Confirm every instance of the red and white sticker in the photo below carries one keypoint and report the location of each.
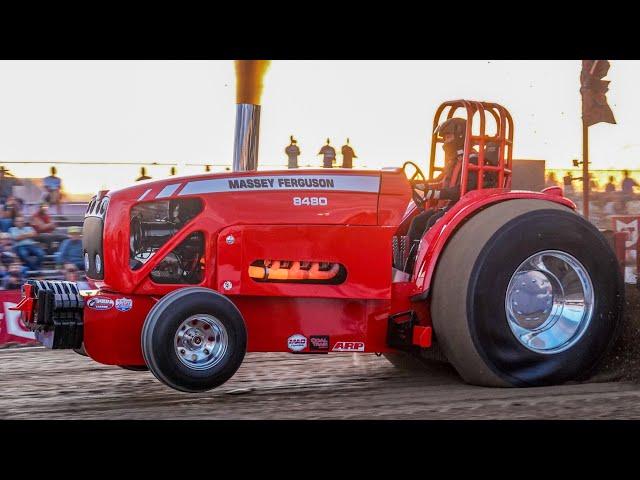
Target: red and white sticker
(348, 347)
(297, 342)
(100, 303)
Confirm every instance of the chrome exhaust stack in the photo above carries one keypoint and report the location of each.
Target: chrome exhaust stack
(247, 137)
(249, 75)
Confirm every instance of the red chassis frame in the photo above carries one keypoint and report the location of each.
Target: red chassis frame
(354, 227)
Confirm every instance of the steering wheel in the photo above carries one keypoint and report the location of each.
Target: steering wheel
(415, 178)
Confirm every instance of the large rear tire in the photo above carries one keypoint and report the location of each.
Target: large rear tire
(194, 339)
(558, 328)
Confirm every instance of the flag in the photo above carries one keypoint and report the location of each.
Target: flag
(593, 89)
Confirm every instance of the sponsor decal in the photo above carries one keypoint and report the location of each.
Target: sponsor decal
(352, 183)
(319, 342)
(297, 342)
(124, 304)
(283, 182)
(100, 303)
(348, 347)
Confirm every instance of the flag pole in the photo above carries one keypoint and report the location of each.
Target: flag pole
(586, 183)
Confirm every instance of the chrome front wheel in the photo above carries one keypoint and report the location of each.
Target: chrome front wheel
(201, 342)
(189, 350)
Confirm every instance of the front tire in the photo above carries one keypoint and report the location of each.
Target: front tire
(194, 339)
(81, 350)
(555, 330)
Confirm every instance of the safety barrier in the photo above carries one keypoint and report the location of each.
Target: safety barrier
(628, 224)
(12, 330)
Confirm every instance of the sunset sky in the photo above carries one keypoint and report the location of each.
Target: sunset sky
(184, 112)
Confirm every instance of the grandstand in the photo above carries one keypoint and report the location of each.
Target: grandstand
(72, 215)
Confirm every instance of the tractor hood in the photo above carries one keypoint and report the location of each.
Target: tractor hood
(146, 222)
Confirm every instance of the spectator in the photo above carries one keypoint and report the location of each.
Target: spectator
(53, 185)
(71, 273)
(593, 183)
(26, 248)
(293, 152)
(70, 251)
(611, 186)
(41, 221)
(348, 155)
(143, 175)
(7, 254)
(551, 180)
(328, 155)
(45, 227)
(7, 182)
(10, 210)
(6, 221)
(627, 188)
(14, 278)
(628, 183)
(568, 185)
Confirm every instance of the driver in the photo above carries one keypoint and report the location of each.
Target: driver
(447, 185)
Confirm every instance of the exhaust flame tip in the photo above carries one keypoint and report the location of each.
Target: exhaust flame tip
(249, 80)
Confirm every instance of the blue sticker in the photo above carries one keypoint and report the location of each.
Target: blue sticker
(124, 304)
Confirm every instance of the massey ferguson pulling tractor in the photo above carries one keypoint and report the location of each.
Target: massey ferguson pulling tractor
(513, 288)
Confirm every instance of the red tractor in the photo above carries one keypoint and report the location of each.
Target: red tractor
(513, 288)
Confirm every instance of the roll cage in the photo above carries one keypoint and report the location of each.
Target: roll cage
(486, 112)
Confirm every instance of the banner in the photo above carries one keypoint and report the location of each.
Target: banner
(629, 224)
(12, 330)
(593, 88)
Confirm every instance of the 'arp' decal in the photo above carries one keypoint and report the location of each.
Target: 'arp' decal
(348, 347)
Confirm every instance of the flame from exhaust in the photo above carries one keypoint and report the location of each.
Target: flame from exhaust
(249, 76)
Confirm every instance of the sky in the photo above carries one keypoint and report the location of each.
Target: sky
(184, 112)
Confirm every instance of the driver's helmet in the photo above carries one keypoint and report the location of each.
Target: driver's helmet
(453, 147)
(457, 126)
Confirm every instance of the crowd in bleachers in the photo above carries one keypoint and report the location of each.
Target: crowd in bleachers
(607, 200)
(35, 246)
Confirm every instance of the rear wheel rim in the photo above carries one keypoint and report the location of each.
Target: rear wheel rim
(549, 302)
(201, 342)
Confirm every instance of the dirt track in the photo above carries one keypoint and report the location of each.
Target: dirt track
(38, 383)
(42, 384)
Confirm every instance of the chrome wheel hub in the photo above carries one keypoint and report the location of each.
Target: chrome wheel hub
(201, 341)
(549, 301)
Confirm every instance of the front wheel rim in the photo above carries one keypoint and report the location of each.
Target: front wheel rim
(201, 342)
(549, 302)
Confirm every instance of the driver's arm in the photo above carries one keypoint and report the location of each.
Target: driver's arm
(442, 193)
(424, 186)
